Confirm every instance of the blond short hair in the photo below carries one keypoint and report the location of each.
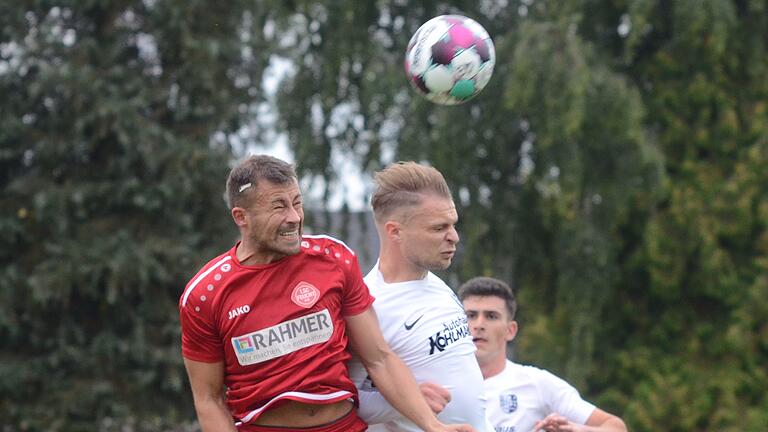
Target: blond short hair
(404, 184)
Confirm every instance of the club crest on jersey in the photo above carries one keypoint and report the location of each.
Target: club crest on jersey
(508, 402)
(305, 294)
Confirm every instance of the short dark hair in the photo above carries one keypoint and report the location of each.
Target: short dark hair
(402, 184)
(246, 175)
(487, 286)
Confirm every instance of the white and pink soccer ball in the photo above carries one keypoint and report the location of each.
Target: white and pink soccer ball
(450, 59)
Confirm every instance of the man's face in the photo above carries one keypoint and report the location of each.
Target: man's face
(275, 220)
(490, 326)
(428, 237)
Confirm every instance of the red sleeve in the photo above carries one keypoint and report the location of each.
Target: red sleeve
(199, 339)
(357, 298)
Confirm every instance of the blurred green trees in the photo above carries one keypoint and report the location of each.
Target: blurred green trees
(114, 152)
(613, 170)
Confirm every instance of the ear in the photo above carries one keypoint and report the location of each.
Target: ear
(392, 230)
(239, 216)
(511, 330)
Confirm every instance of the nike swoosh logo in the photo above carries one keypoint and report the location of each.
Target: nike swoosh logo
(408, 327)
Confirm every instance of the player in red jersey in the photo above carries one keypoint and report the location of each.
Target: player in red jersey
(271, 318)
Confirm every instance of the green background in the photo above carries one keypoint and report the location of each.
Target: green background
(613, 170)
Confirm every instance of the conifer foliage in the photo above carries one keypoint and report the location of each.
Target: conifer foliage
(113, 156)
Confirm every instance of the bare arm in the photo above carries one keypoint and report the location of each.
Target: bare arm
(598, 421)
(604, 421)
(207, 381)
(392, 377)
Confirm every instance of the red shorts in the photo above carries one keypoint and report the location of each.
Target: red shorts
(349, 423)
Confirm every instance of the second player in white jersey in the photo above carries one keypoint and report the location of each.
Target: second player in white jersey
(425, 325)
(521, 395)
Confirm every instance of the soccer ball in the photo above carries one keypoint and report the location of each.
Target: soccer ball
(450, 59)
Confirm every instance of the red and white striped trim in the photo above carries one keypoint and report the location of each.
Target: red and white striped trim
(322, 236)
(201, 277)
(297, 396)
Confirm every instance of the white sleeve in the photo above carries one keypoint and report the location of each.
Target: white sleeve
(375, 409)
(564, 399)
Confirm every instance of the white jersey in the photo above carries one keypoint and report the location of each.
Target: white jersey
(520, 396)
(425, 325)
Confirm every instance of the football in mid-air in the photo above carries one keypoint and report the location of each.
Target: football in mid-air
(450, 59)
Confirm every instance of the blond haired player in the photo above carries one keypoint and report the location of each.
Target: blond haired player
(420, 316)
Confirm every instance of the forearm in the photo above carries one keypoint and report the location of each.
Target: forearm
(213, 416)
(601, 421)
(395, 382)
(610, 425)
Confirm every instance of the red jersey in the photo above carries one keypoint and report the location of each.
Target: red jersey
(279, 328)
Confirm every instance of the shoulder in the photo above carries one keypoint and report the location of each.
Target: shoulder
(327, 246)
(373, 280)
(436, 284)
(209, 274)
(543, 379)
(435, 281)
(533, 372)
(441, 290)
(524, 376)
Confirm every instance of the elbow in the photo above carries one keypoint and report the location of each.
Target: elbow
(206, 401)
(617, 424)
(379, 362)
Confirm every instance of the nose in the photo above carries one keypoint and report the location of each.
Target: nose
(475, 324)
(452, 235)
(479, 323)
(474, 329)
(294, 215)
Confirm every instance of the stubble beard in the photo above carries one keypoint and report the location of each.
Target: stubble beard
(433, 264)
(277, 245)
(293, 249)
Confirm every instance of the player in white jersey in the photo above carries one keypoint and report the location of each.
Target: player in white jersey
(521, 395)
(421, 318)
(522, 398)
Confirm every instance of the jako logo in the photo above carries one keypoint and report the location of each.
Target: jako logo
(239, 311)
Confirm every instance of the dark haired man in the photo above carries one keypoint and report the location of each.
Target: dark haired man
(522, 398)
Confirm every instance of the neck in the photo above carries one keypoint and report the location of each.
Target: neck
(248, 253)
(394, 268)
(494, 367)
